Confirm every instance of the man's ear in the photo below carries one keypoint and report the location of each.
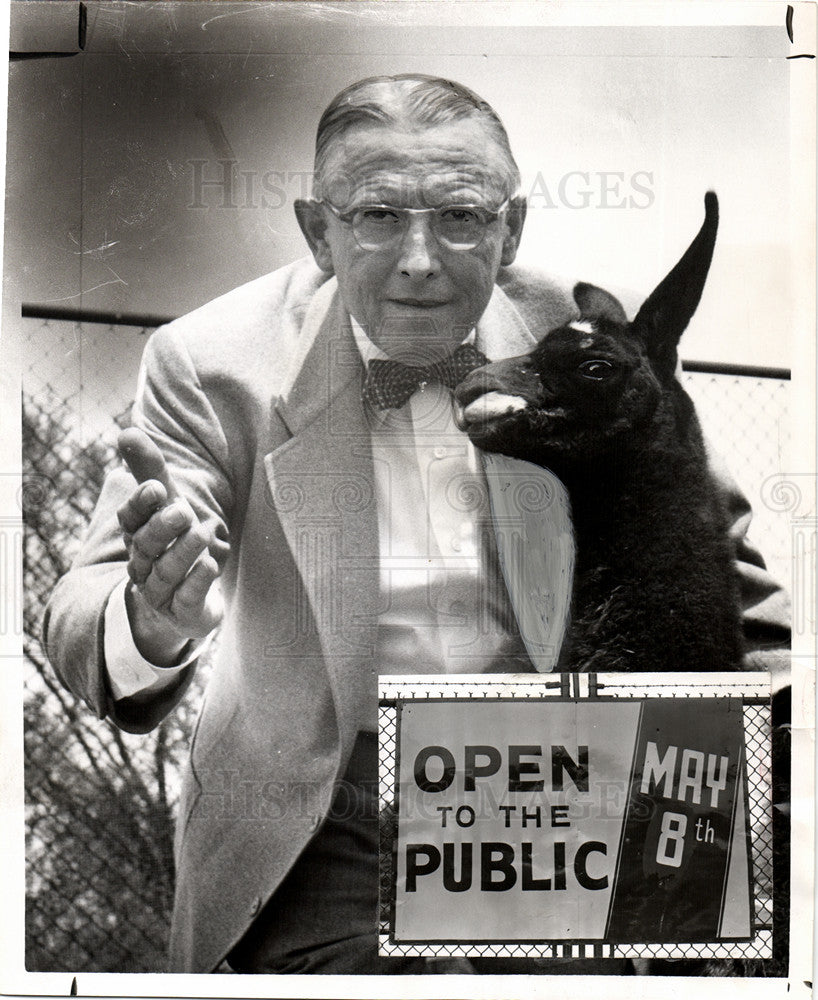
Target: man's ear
(515, 217)
(313, 224)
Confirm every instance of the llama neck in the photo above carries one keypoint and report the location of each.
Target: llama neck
(640, 459)
(630, 479)
(636, 492)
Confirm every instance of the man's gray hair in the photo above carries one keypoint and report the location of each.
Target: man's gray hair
(406, 100)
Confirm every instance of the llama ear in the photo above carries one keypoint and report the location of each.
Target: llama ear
(666, 312)
(595, 303)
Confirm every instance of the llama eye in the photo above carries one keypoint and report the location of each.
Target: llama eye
(596, 370)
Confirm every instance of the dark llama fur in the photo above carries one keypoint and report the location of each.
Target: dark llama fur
(655, 587)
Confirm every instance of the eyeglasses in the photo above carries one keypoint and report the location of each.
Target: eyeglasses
(381, 227)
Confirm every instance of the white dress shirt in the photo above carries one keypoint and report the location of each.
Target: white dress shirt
(444, 606)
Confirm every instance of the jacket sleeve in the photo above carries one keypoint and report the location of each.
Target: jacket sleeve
(173, 408)
(765, 605)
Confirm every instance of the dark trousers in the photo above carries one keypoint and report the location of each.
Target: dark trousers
(324, 915)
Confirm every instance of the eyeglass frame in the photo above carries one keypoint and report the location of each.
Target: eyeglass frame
(346, 218)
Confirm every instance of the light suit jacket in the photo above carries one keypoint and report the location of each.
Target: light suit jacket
(255, 401)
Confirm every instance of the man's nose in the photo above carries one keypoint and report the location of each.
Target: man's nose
(419, 250)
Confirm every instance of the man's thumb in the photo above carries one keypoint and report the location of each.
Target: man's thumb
(144, 459)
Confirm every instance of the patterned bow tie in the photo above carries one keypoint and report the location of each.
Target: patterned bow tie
(389, 384)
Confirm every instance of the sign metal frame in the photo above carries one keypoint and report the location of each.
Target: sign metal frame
(754, 692)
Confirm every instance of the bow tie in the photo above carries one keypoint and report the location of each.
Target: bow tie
(389, 384)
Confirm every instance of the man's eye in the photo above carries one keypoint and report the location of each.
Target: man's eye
(459, 216)
(378, 216)
(596, 369)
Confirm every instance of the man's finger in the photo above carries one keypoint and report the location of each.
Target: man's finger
(169, 571)
(192, 595)
(147, 544)
(197, 605)
(144, 459)
(140, 507)
(163, 528)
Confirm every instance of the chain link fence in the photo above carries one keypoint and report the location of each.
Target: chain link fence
(100, 803)
(746, 420)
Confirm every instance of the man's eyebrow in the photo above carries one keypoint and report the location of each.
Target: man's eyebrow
(448, 202)
(443, 203)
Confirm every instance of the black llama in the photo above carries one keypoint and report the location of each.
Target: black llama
(598, 402)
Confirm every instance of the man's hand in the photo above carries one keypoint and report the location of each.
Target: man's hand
(174, 596)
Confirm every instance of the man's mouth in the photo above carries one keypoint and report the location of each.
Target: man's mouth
(421, 303)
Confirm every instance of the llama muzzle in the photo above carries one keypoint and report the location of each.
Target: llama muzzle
(496, 390)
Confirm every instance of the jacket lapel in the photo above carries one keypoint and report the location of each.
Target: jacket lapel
(322, 484)
(530, 512)
(531, 517)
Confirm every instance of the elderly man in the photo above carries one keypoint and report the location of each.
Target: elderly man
(299, 489)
